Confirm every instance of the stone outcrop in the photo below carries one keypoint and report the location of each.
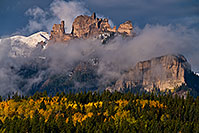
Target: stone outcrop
(58, 33)
(165, 72)
(126, 28)
(88, 26)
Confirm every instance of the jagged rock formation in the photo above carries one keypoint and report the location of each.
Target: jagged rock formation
(165, 72)
(58, 33)
(86, 26)
(89, 26)
(126, 28)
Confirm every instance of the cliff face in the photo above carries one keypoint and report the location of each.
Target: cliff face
(165, 72)
(126, 28)
(88, 26)
(58, 33)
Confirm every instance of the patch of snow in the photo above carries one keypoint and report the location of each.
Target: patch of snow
(197, 73)
(22, 45)
(31, 40)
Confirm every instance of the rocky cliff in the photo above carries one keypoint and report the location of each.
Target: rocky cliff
(89, 26)
(58, 33)
(165, 72)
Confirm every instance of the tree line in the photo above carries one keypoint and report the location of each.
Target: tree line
(99, 112)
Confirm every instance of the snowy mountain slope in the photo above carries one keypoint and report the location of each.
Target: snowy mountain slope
(31, 40)
(22, 45)
(197, 73)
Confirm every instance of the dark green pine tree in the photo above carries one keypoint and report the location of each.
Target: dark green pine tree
(0, 99)
(83, 111)
(42, 105)
(16, 97)
(61, 124)
(25, 126)
(70, 125)
(51, 124)
(42, 125)
(1, 124)
(13, 125)
(35, 122)
(6, 124)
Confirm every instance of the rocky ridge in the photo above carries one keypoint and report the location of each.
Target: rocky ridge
(85, 27)
(165, 72)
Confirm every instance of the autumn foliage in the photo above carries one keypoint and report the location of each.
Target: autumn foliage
(91, 112)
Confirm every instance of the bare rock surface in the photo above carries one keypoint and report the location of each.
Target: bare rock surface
(58, 33)
(165, 72)
(126, 28)
(85, 27)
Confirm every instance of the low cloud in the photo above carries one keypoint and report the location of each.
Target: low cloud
(40, 19)
(114, 58)
(117, 56)
(67, 11)
(58, 10)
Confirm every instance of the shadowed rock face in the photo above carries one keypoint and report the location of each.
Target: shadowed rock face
(165, 72)
(88, 26)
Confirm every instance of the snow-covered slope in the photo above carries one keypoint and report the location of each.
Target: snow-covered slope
(22, 45)
(197, 73)
(31, 40)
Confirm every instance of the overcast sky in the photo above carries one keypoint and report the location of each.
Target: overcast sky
(14, 16)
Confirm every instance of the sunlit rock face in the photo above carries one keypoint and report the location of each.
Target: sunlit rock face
(165, 72)
(126, 28)
(85, 27)
(58, 33)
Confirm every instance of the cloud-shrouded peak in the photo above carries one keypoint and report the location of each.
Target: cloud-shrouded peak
(67, 11)
(116, 57)
(31, 40)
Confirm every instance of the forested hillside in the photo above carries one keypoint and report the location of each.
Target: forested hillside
(94, 112)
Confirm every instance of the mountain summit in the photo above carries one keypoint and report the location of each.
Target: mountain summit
(87, 64)
(85, 27)
(165, 72)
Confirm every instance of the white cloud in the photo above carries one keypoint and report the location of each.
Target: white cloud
(120, 54)
(115, 57)
(67, 11)
(59, 10)
(34, 26)
(35, 12)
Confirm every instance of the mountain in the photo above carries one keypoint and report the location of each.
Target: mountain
(83, 60)
(197, 73)
(22, 45)
(31, 40)
(85, 27)
(169, 73)
(165, 72)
